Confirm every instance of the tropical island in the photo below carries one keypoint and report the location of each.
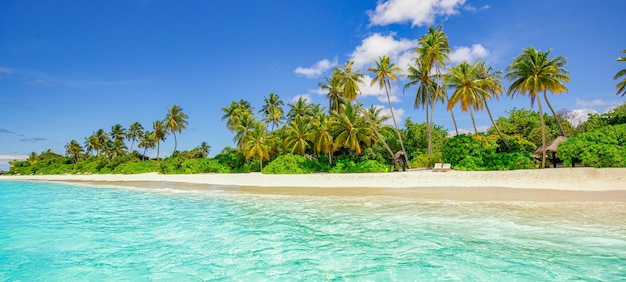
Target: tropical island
(350, 137)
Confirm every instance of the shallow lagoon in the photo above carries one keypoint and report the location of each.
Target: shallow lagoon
(54, 231)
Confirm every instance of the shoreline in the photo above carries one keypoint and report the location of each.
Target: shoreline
(554, 184)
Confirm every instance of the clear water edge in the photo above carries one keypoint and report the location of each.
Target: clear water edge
(51, 231)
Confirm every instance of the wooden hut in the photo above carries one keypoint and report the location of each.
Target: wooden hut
(551, 149)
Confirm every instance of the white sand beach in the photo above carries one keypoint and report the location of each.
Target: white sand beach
(572, 179)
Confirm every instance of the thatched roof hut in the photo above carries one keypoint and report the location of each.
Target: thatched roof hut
(552, 146)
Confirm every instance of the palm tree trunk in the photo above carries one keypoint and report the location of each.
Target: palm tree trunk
(543, 134)
(456, 128)
(443, 85)
(175, 142)
(330, 158)
(497, 129)
(545, 96)
(406, 158)
(473, 122)
(430, 147)
(158, 148)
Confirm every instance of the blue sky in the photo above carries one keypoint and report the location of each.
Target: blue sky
(69, 68)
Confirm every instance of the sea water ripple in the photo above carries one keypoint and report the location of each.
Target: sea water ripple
(61, 232)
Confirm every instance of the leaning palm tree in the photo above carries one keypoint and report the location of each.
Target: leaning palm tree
(375, 119)
(134, 133)
(433, 52)
(531, 74)
(175, 120)
(384, 74)
(74, 151)
(255, 143)
(490, 81)
(467, 91)
(159, 134)
(272, 110)
(621, 86)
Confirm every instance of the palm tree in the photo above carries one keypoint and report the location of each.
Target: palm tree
(322, 138)
(375, 119)
(428, 93)
(556, 74)
(350, 80)
(158, 134)
(134, 133)
(91, 144)
(531, 73)
(175, 120)
(490, 81)
(351, 129)
(117, 148)
(621, 86)
(272, 110)
(467, 91)
(118, 132)
(334, 88)
(74, 151)
(146, 141)
(299, 108)
(255, 143)
(433, 51)
(243, 123)
(298, 135)
(97, 141)
(384, 72)
(204, 149)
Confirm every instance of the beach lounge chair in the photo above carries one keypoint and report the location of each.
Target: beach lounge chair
(441, 167)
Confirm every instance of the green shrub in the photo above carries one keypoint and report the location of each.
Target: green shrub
(479, 152)
(137, 167)
(289, 164)
(342, 164)
(426, 160)
(203, 165)
(368, 166)
(602, 147)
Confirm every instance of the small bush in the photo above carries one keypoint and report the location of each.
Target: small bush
(368, 166)
(289, 164)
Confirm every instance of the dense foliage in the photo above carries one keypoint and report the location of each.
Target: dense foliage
(603, 147)
(480, 152)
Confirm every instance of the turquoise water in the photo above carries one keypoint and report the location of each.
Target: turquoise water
(59, 232)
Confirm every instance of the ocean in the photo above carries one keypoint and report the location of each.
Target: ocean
(69, 232)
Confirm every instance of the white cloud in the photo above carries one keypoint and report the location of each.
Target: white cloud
(397, 112)
(594, 103)
(5, 70)
(316, 69)
(307, 98)
(469, 54)
(579, 116)
(400, 51)
(417, 12)
(473, 9)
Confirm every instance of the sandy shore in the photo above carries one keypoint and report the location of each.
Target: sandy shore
(560, 184)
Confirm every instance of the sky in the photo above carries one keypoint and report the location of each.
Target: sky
(69, 68)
